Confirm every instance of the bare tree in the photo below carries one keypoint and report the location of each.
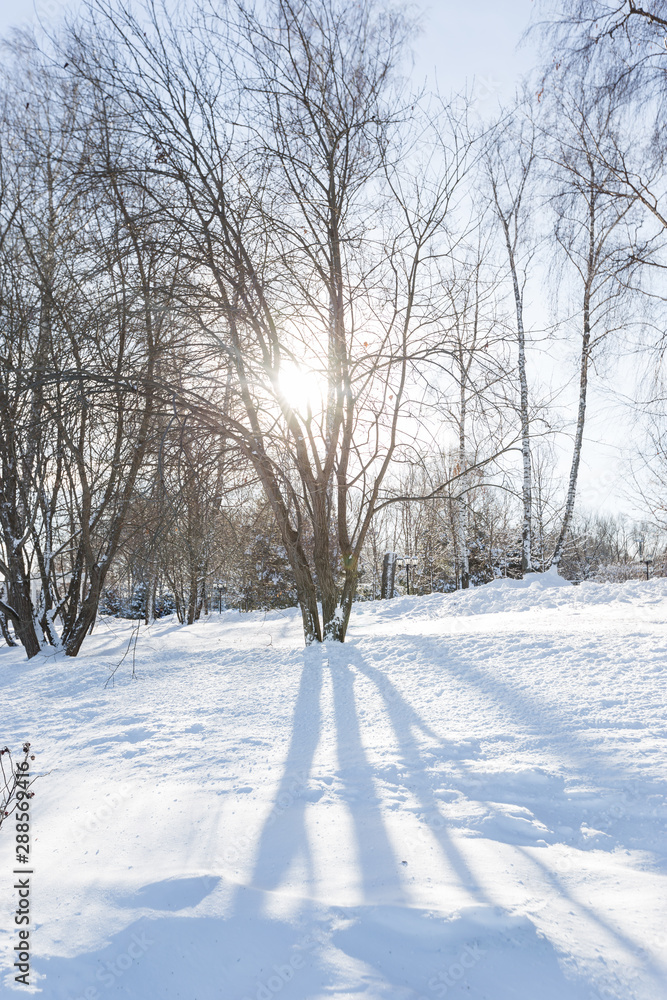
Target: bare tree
(313, 210)
(629, 34)
(616, 49)
(475, 360)
(599, 238)
(85, 317)
(510, 165)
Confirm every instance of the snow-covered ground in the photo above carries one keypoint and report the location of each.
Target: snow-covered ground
(468, 799)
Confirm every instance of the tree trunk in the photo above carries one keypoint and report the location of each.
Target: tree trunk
(462, 505)
(4, 629)
(388, 575)
(578, 437)
(526, 488)
(88, 610)
(20, 612)
(335, 629)
(193, 592)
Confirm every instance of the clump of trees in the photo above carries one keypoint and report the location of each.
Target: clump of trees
(266, 311)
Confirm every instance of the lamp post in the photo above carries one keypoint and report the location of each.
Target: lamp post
(407, 561)
(219, 587)
(641, 548)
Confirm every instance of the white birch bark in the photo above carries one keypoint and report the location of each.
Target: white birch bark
(462, 519)
(526, 486)
(509, 219)
(583, 379)
(579, 434)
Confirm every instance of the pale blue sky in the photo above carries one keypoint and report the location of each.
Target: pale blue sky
(462, 41)
(475, 39)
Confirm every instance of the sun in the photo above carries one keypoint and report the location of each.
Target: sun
(303, 388)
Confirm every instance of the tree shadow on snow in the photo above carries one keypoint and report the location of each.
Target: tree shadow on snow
(610, 815)
(378, 952)
(407, 725)
(381, 949)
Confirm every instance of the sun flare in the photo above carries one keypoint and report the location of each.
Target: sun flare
(303, 388)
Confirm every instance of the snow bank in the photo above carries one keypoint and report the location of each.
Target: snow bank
(537, 591)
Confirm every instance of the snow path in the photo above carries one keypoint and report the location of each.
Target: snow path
(468, 799)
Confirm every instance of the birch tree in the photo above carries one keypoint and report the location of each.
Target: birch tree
(477, 367)
(600, 239)
(510, 167)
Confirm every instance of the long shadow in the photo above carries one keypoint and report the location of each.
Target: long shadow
(495, 688)
(403, 718)
(565, 740)
(284, 838)
(377, 860)
(559, 886)
(284, 841)
(177, 952)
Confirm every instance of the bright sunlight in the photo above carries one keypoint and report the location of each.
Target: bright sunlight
(303, 388)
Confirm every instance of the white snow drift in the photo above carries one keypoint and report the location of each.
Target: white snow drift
(468, 799)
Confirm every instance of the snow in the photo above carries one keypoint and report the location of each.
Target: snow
(467, 799)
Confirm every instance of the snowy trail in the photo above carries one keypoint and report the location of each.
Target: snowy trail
(468, 799)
